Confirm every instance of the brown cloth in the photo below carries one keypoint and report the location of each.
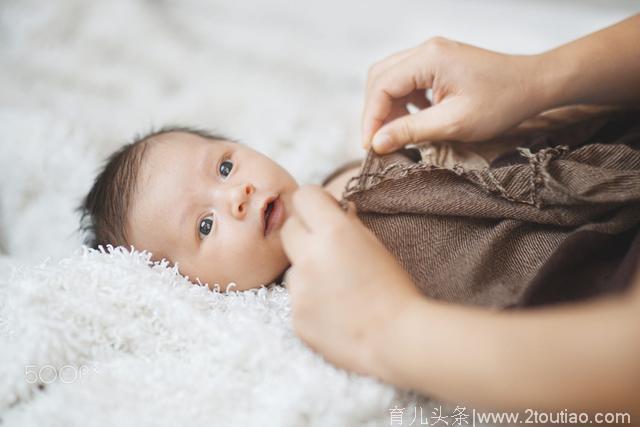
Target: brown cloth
(547, 213)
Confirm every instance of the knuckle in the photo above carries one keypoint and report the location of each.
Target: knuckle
(379, 78)
(375, 83)
(374, 70)
(436, 44)
(375, 67)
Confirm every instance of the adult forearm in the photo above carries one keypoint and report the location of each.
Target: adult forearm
(582, 357)
(440, 350)
(600, 68)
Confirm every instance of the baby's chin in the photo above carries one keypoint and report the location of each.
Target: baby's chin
(276, 280)
(278, 265)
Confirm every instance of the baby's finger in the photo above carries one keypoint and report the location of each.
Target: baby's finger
(315, 207)
(294, 236)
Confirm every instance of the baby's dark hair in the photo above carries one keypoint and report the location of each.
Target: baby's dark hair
(104, 210)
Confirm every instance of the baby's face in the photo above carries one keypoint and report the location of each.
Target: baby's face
(199, 203)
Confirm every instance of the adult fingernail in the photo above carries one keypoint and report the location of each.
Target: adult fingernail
(382, 142)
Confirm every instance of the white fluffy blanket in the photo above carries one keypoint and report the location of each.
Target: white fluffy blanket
(116, 340)
(120, 342)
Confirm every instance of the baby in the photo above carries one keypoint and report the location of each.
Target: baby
(485, 224)
(212, 205)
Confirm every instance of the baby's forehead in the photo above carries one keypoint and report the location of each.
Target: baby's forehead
(177, 146)
(171, 156)
(181, 139)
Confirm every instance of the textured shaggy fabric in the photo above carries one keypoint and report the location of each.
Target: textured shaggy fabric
(127, 342)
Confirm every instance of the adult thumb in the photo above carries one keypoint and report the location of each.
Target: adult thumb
(429, 124)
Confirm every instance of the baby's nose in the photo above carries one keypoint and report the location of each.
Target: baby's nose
(242, 196)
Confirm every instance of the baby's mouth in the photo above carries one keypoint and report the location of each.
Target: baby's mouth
(273, 215)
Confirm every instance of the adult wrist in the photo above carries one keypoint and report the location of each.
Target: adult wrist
(552, 76)
(395, 344)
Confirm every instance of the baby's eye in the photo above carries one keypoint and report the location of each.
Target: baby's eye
(205, 226)
(225, 168)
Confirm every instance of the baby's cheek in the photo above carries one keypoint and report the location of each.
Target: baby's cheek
(248, 261)
(273, 261)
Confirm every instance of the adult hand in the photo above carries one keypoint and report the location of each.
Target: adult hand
(346, 289)
(476, 94)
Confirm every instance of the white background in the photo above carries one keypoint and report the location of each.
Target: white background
(80, 78)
